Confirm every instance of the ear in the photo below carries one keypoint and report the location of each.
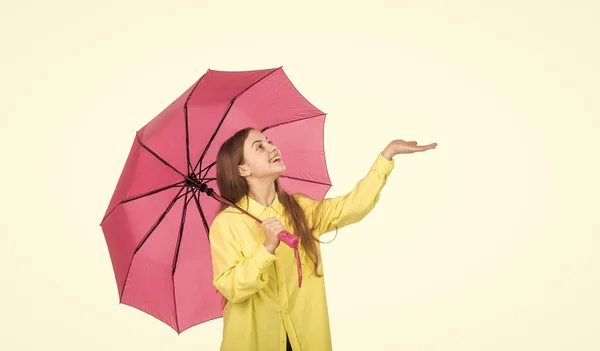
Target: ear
(243, 170)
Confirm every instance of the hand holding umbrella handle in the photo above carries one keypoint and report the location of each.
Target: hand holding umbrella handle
(284, 236)
(292, 241)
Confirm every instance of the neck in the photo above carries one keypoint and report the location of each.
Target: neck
(262, 192)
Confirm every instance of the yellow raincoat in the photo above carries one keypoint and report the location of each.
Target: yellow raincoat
(264, 300)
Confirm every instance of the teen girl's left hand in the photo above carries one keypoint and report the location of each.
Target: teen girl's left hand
(400, 146)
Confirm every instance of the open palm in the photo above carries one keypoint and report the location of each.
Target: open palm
(400, 146)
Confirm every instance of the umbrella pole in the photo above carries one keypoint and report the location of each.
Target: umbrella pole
(225, 201)
(210, 192)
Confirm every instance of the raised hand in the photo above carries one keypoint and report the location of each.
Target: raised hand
(400, 146)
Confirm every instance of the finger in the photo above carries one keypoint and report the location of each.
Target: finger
(270, 220)
(271, 225)
(275, 226)
(417, 148)
(427, 147)
(266, 225)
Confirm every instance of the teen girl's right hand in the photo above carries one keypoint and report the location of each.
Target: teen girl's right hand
(271, 228)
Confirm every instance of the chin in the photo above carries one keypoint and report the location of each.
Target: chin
(281, 169)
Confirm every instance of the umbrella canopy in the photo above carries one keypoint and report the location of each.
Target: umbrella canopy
(157, 223)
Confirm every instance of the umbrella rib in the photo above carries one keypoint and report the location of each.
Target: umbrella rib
(176, 256)
(304, 180)
(289, 122)
(199, 163)
(180, 234)
(197, 200)
(158, 221)
(160, 158)
(207, 168)
(154, 226)
(155, 191)
(187, 130)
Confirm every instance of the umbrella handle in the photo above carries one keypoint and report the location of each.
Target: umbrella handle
(292, 241)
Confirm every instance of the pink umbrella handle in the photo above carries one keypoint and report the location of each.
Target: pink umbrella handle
(292, 241)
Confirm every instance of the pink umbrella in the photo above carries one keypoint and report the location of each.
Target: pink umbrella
(156, 225)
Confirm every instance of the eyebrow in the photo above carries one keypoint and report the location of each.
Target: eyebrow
(258, 141)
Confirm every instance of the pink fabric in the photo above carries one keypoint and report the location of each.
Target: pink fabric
(145, 279)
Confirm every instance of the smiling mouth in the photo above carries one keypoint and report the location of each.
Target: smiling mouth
(276, 159)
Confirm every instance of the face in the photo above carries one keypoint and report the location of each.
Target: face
(262, 159)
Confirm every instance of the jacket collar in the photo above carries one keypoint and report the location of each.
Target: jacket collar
(257, 209)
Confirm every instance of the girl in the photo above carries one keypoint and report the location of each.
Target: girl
(265, 310)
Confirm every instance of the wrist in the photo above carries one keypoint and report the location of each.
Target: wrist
(387, 153)
(270, 247)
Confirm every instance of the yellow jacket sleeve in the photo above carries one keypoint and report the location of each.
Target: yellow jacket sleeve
(350, 208)
(236, 276)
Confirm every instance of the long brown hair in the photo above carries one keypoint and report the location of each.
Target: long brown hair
(234, 187)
